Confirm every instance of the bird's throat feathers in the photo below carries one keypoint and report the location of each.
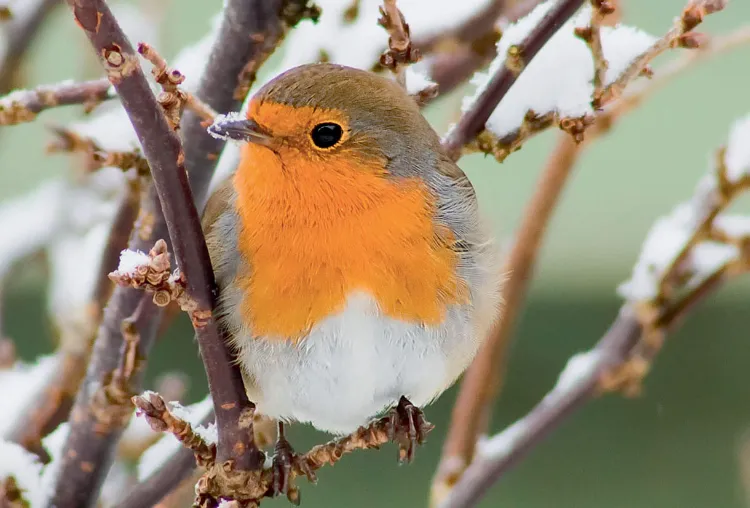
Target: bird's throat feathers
(313, 232)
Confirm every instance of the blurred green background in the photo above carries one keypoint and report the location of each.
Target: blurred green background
(674, 447)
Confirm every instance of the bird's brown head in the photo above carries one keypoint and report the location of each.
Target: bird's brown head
(328, 115)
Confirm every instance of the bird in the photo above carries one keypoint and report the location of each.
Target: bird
(356, 273)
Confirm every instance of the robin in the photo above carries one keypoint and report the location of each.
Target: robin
(355, 273)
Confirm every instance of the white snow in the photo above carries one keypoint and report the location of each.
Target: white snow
(664, 242)
(737, 157)
(579, 366)
(560, 77)
(359, 44)
(23, 466)
(669, 234)
(131, 261)
(19, 386)
(734, 226)
(416, 80)
(503, 442)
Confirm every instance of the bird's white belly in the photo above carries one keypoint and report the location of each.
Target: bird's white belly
(355, 364)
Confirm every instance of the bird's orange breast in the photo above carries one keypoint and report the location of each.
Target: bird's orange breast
(312, 236)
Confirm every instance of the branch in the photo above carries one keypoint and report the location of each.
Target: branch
(24, 105)
(669, 279)
(400, 52)
(578, 383)
(55, 399)
(472, 122)
(231, 52)
(26, 19)
(163, 150)
(164, 480)
(534, 123)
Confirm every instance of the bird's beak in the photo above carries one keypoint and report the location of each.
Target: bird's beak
(238, 128)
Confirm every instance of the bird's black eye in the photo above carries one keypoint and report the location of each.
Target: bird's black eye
(326, 135)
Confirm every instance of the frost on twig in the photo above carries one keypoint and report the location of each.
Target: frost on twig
(558, 85)
(161, 418)
(689, 250)
(697, 238)
(24, 105)
(152, 272)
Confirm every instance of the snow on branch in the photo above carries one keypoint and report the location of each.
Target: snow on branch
(558, 85)
(686, 257)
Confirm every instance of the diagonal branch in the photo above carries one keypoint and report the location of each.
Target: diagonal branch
(472, 122)
(580, 382)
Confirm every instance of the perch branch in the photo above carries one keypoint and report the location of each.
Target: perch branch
(231, 52)
(24, 105)
(164, 152)
(472, 122)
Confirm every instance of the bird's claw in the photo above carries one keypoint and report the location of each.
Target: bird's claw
(408, 427)
(285, 466)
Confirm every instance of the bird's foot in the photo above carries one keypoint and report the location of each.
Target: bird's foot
(407, 427)
(286, 465)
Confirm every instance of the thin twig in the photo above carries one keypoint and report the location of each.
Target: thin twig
(472, 122)
(680, 35)
(615, 95)
(593, 37)
(96, 158)
(400, 52)
(158, 415)
(24, 105)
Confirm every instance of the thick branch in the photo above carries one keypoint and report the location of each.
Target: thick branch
(472, 122)
(231, 52)
(163, 150)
